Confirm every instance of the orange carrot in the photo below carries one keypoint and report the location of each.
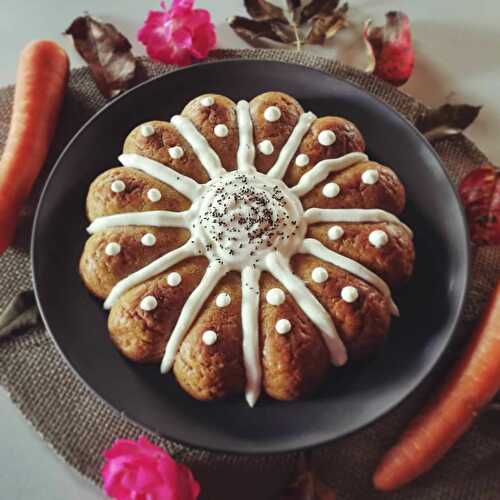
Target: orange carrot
(471, 384)
(41, 79)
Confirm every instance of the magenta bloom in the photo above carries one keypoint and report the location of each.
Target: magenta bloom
(178, 35)
(142, 471)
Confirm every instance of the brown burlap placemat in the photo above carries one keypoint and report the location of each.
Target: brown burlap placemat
(78, 426)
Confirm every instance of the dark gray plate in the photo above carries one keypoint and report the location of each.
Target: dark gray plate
(354, 396)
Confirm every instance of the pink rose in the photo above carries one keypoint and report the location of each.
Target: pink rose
(142, 471)
(178, 35)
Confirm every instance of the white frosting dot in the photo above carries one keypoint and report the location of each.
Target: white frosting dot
(113, 248)
(147, 130)
(209, 337)
(283, 326)
(326, 137)
(331, 190)
(176, 152)
(319, 274)
(335, 233)
(174, 279)
(148, 303)
(223, 300)
(370, 176)
(154, 195)
(275, 296)
(302, 160)
(272, 114)
(117, 186)
(378, 238)
(207, 101)
(148, 240)
(266, 147)
(221, 130)
(349, 294)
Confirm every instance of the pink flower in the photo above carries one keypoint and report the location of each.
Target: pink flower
(140, 470)
(178, 35)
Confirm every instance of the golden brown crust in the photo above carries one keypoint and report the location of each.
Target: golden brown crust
(216, 371)
(363, 324)
(140, 335)
(277, 132)
(348, 140)
(393, 262)
(101, 200)
(294, 364)
(205, 118)
(100, 272)
(387, 193)
(156, 147)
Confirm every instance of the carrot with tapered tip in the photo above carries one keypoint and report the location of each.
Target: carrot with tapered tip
(42, 74)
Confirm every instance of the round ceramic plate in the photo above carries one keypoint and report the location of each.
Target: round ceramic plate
(353, 396)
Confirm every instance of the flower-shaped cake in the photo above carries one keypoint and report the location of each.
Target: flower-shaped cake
(247, 246)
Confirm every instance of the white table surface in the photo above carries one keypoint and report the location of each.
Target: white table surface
(457, 56)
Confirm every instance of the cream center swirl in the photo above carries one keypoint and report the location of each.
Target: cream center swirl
(242, 217)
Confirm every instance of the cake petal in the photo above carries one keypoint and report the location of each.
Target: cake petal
(215, 117)
(209, 363)
(296, 361)
(271, 133)
(162, 142)
(390, 256)
(139, 330)
(123, 189)
(111, 255)
(360, 312)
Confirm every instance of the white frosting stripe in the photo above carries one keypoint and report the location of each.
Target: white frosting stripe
(246, 149)
(314, 247)
(280, 269)
(322, 169)
(214, 273)
(207, 156)
(181, 183)
(313, 215)
(189, 249)
(250, 327)
(289, 149)
(157, 218)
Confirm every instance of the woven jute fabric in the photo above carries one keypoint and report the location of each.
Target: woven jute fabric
(78, 426)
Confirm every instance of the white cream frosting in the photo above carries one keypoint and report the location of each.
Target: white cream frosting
(118, 186)
(148, 303)
(266, 147)
(223, 300)
(147, 130)
(246, 221)
(154, 195)
(148, 240)
(378, 238)
(113, 248)
(272, 114)
(370, 176)
(275, 296)
(331, 190)
(221, 130)
(175, 152)
(209, 337)
(327, 137)
(283, 326)
(174, 279)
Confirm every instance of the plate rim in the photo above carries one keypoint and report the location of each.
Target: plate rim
(452, 331)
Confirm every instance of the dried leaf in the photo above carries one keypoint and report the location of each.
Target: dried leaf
(480, 193)
(261, 10)
(448, 119)
(306, 485)
(326, 27)
(292, 11)
(106, 51)
(316, 7)
(251, 31)
(389, 48)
